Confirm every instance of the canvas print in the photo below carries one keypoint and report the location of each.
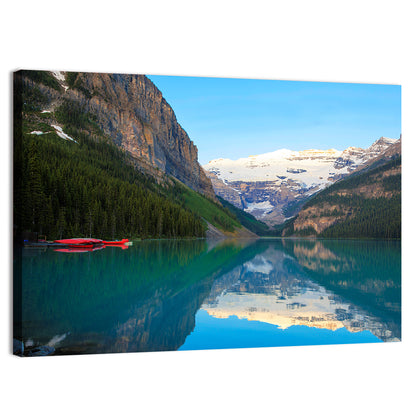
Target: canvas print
(160, 213)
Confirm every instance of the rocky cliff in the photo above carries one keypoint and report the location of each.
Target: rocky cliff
(133, 113)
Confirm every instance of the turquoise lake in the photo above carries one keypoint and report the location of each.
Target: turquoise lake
(200, 294)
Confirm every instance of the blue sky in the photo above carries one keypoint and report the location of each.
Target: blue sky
(235, 118)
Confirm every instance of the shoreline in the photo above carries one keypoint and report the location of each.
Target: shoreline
(36, 245)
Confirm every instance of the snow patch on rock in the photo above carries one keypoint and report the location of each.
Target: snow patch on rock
(264, 206)
(60, 76)
(37, 132)
(61, 134)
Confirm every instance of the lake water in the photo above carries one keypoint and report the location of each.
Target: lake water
(199, 294)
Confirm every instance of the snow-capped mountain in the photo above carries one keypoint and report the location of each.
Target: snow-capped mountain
(271, 185)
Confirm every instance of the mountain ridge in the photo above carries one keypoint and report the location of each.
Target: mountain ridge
(133, 113)
(267, 185)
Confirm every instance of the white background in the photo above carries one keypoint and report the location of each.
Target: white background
(354, 41)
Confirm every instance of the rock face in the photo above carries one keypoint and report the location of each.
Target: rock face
(133, 113)
(273, 186)
(319, 218)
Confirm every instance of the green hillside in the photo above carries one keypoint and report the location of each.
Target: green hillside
(214, 213)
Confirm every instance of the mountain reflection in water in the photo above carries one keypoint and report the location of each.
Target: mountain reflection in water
(181, 294)
(323, 285)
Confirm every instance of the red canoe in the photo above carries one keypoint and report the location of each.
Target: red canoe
(79, 241)
(116, 243)
(90, 240)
